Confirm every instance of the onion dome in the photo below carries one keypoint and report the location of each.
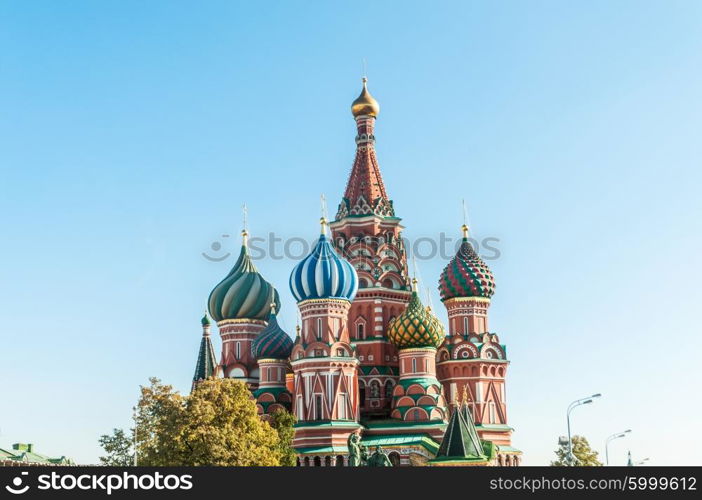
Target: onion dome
(272, 342)
(416, 327)
(205, 320)
(243, 294)
(364, 103)
(466, 275)
(323, 274)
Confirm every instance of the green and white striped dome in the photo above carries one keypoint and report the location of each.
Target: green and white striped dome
(243, 294)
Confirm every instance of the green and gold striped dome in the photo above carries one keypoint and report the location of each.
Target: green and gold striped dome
(416, 327)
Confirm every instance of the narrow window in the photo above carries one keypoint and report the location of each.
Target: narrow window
(342, 407)
(238, 350)
(414, 365)
(359, 331)
(318, 407)
(465, 326)
(319, 328)
(299, 409)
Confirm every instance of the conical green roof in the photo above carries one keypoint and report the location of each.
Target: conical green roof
(206, 361)
(461, 438)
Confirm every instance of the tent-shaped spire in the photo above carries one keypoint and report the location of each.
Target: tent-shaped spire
(206, 361)
(461, 438)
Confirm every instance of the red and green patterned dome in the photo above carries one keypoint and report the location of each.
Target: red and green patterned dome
(416, 327)
(466, 275)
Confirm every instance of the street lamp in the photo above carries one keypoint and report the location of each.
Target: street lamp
(612, 438)
(571, 407)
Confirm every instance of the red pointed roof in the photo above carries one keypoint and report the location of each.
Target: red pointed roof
(365, 191)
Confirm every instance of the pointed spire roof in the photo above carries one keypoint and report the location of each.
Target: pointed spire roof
(461, 438)
(206, 361)
(365, 191)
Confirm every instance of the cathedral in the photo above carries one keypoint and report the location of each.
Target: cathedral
(369, 361)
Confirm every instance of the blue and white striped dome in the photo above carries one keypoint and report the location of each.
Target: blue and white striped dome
(323, 275)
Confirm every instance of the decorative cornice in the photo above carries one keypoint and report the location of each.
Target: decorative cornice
(323, 301)
(453, 300)
(411, 350)
(226, 322)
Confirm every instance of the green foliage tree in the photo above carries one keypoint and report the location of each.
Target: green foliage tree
(283, 422)
(118, 449)
(217, 424)
(585, 456)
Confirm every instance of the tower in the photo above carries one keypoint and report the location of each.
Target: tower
(325, 369)
(472, 358)
(240, 304)
(368, 234)
(206, 366)
(418, 396)
(271, 348)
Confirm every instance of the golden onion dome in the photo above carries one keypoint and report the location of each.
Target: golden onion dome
(364, 103)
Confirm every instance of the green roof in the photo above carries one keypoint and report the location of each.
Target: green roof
(21, 452)
(327, 423)
(393, 423)
(494, 427)
(508, 449)
(206, 361)
(323, 449)
(461, 440)
(382, 370)
(402, 439)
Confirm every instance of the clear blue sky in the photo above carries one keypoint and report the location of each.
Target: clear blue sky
(132, 132)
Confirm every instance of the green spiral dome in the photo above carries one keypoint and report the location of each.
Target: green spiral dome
(243, 294)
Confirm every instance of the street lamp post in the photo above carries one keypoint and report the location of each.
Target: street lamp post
(571, 407)
(612, 438)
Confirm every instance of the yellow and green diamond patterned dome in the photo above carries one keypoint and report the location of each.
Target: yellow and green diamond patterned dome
(416, 327)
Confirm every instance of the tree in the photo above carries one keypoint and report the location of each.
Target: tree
(585, 456)
(283, 421)
(118, 447)
(217, 424)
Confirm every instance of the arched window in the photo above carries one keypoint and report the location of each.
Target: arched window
(394, 458)
(375, 389)
(360, 331)
(319, 328)
(388, 389)
(317, 462)
(339, 460)
(238, 350)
